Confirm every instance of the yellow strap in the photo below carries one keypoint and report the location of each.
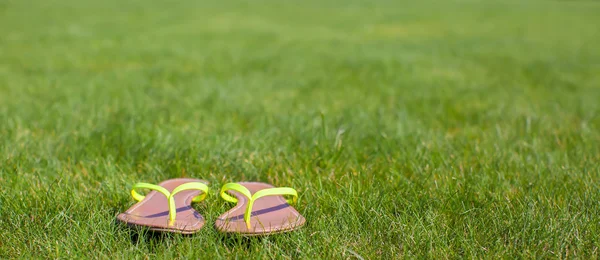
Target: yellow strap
(193, 186)
(252, 198)
(170, 195)
(141, 185)
(236, 187)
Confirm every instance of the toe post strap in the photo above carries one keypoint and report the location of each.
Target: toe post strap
(170, 195)
(283, 191)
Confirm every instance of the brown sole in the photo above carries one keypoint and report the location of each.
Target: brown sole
(270, 215)
(152, 211)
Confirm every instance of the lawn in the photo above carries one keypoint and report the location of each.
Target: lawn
(435, 129)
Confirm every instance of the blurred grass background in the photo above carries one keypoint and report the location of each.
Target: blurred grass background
(432, 129)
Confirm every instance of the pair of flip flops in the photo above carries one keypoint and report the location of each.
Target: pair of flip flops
(261, 208)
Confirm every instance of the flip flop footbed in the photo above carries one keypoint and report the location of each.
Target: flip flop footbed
(270, 214)
(153, 210)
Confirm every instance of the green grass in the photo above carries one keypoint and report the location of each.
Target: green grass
(430, 129)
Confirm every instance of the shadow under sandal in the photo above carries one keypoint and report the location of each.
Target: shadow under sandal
(261, 209)
(168, 206)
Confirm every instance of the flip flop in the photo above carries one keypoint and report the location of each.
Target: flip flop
(168, 206)
(261, 209)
